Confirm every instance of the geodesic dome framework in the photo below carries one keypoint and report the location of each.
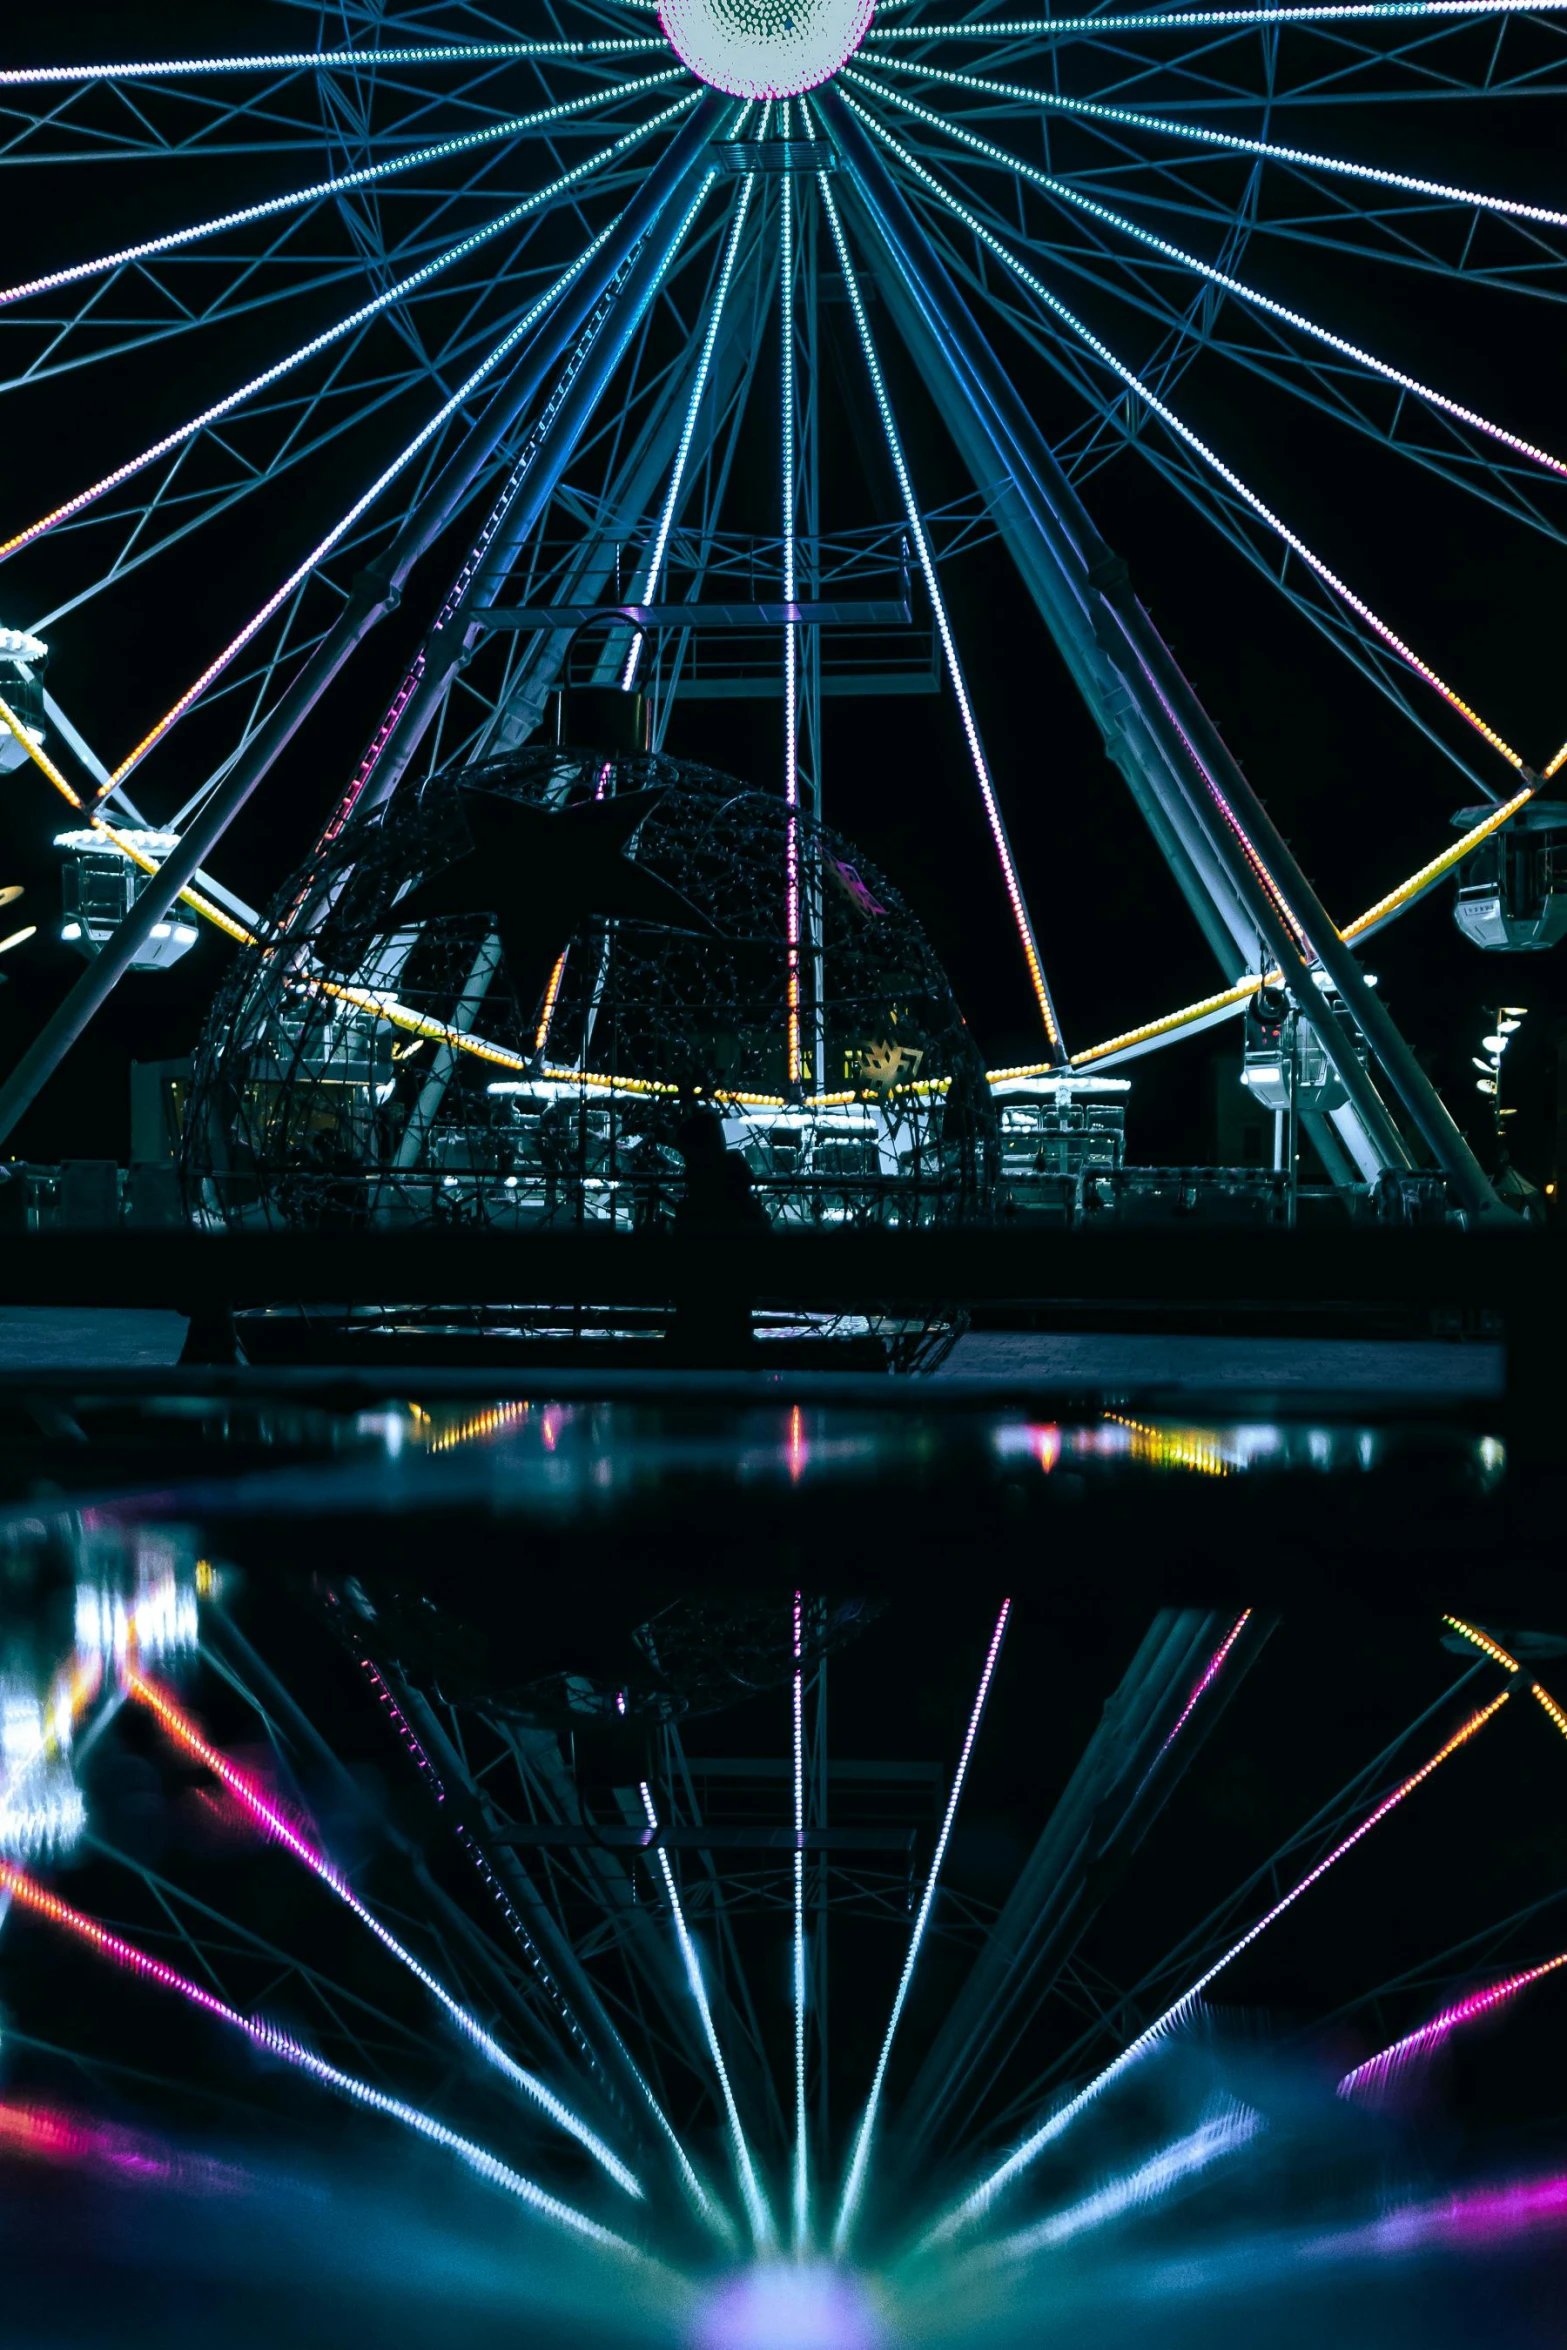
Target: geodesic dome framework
(363, 1070)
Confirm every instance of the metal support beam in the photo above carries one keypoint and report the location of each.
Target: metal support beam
(1129, 1769)
(375, 592)
(1236, 826)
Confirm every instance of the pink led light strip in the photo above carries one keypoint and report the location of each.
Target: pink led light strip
(266, 2036)
(979, 2200)
(1374, 2076)
(273, 1822)
(855, 2182)
(993, 818)
(1183, 432)
(1213, 1669)
(797, 1693)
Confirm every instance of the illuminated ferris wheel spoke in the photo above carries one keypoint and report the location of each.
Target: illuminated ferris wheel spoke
(273, 1822)
(980, 2199)
(290, 61)
(1232, 143)
(1064, 192)
(427, 432)
(997, 823)
(344, 183)
(1167, 416)
(854, 2183)
(272, 2042)
(403, 290)
(1171, 20)
(653, 570)
(791, 647)
(763, 2235)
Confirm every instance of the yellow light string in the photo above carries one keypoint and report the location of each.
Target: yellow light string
(1483, 1641)
(46, 766)
(542, 1037)
(1550, 1705)
(1393, 903)
(1560, 760)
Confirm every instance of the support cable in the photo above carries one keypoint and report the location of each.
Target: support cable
(1180, 20)
(647, 586)
(273, 1822)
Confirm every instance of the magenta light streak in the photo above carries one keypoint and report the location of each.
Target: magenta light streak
(855, 2183)
(1482, 2215)
(1214, 1668)
(981, 2197)
(274, 2042)
(1372, 2079)
(246, 1792)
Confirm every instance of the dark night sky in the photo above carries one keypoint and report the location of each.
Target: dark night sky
(1363, 797)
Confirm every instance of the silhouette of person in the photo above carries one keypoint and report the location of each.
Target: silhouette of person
(713, 1325)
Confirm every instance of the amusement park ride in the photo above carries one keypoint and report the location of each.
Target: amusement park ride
(590, 264)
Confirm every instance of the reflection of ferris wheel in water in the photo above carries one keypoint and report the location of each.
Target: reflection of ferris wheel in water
(543, 277)
(552, 1959)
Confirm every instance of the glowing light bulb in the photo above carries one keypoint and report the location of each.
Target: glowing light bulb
(765, 48)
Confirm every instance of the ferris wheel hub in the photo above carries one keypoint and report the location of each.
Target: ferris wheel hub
(765, 48)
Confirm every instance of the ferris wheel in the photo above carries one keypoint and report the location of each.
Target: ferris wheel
(541, 281)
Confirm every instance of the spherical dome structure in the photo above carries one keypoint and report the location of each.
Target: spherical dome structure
(765, 48)
(544, 988)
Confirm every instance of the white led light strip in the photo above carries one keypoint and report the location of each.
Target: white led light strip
(356, 318)
(1231, 143)
(18, 77)
(1066, 194)
(1184, 432)
(514, 126)
(361, 505)
(1175, 20)
(756, 2209)
(855, 2182)
(998, 833)
(648, 586)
